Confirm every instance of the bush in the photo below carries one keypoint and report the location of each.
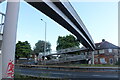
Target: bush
(118, 63)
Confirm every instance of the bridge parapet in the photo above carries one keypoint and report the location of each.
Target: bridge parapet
(66, 59)
(68, 50)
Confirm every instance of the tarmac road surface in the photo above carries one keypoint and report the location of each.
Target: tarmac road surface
(67, 74)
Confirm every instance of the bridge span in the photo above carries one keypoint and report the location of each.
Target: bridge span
(64, 14)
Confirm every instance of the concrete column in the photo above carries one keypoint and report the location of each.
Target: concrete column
(119, 34)
(93, 57)
(9, 38)
(0, 66)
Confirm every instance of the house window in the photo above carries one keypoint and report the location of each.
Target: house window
(101, 51)
(110, 50)
(102, 61)
(111, 61)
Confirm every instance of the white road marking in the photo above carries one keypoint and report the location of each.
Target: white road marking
(96, 75)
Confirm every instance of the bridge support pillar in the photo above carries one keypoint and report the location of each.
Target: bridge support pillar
(119, 34)
(0, 66)
(93, 58)
(9, 38)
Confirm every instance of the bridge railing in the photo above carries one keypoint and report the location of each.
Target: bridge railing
(65, 59)
(2, 17)
(68, 50)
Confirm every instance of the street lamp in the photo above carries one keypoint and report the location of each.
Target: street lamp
(45, 38)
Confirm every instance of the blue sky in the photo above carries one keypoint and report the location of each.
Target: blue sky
(100, 18)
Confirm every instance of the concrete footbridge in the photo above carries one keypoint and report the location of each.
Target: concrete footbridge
(64, 14)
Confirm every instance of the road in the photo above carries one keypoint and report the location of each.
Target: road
(66, 74)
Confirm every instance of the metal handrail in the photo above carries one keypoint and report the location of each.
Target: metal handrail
(2, 23)
(2, 13)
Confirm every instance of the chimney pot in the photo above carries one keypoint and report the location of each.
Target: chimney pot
(103, 40)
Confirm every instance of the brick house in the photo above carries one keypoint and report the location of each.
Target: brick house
(106, 53)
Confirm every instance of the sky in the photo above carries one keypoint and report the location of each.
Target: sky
(100, 18)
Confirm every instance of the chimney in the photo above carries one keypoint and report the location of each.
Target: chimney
(103, 40)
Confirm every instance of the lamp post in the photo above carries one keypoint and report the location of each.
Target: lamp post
(45, 38)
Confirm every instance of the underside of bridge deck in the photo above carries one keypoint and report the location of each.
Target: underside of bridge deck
(64, 14)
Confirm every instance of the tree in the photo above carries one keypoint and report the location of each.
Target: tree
(67, 42)
(39, 47)
(23, 49)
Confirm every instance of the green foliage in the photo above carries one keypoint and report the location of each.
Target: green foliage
(30, 77)
(23, 49)
(118, 63)
(39, 47)
(67, 42)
